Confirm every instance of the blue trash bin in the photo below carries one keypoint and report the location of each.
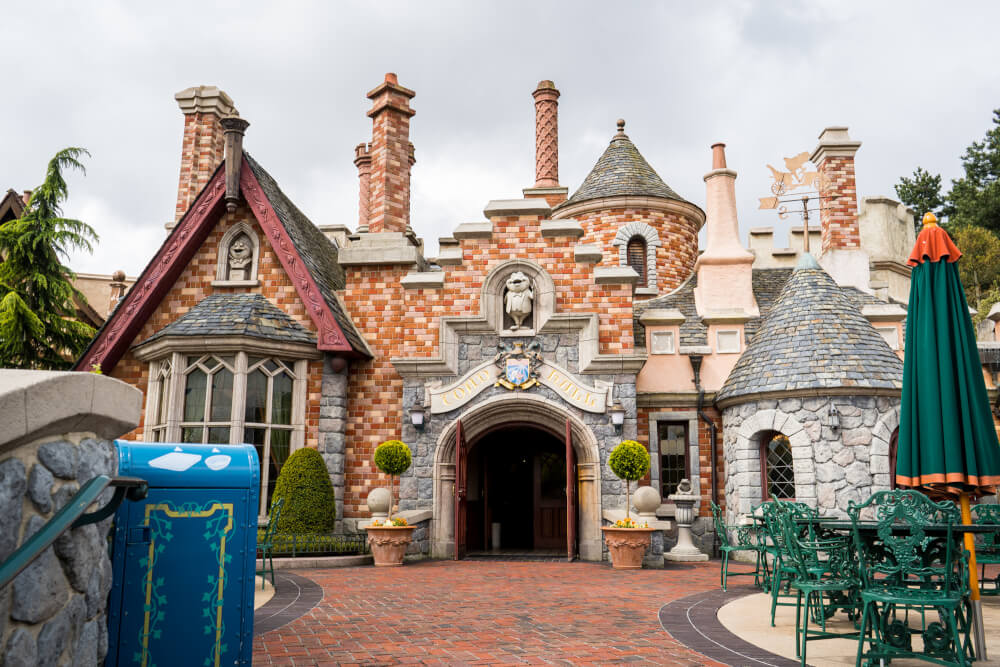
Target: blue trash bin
(184, 558)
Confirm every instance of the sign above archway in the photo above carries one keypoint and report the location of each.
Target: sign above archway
(518, 370)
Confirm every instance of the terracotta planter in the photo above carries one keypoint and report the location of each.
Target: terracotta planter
(627, 546)
(388, 543)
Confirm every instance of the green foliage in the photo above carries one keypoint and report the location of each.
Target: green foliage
(38, 325)
(975, 198)
(629, 461)
(979, 268)
(922, 193)
(393, 457)
(305, 485)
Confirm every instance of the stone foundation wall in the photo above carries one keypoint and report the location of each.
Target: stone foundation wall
(332, 427)
(832, 466)
(55, 431)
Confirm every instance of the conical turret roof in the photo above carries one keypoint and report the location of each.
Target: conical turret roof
(813, 337)
(622, 171)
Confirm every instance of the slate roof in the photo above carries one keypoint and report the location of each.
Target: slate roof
(622, 171)
(238, 314)
(11, 206)
(318, 253)
(813, 337)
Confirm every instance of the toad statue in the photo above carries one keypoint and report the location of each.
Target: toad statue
(517, 301)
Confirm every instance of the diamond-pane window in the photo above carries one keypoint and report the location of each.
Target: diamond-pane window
(778, 472)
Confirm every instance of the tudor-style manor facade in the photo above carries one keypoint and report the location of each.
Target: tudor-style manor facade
(538, 338)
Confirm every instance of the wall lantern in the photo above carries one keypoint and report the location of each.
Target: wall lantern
(834, 417)
(417, 415)
(617, 416)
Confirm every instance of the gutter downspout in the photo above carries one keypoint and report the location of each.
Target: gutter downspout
(696, 360)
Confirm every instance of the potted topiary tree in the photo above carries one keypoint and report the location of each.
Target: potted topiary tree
(627, 540)
(389, 539)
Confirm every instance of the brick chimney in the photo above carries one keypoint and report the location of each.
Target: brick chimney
(203, 147)
(841, 255)
(363, 161)
(725, 268)
(547, 145)
(390, 154)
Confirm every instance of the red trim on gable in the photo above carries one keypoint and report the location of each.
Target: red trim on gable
(331, 336)
(156, 280)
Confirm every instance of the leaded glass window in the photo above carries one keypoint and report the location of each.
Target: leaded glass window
(208, 399)
(268, 416)
(673, 456)
(161, 386)
(778, 474)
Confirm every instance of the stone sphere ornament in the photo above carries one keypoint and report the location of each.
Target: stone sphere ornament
(647, 500)
(379, 501)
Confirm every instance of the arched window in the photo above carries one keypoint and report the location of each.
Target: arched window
(893, 448)
(776, 474)
(636, 257)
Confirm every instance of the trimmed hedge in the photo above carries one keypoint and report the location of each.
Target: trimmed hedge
(304, 483)
(393, 457)
(629, 461)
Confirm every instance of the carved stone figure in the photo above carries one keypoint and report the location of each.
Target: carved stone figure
(519, 297)
(240, 257)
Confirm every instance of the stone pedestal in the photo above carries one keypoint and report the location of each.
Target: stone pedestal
(684, 550)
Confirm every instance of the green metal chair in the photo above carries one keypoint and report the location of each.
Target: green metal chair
(904, 569)
(825, 571)
(265, 543)
(987, 546)
(782, 573)
(732, 539)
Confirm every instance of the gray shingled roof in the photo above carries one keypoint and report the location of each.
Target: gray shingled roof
(238, 314)
(813, 337)
(318, 253)
(622, 171)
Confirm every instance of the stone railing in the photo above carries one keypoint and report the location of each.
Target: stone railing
(55, 435)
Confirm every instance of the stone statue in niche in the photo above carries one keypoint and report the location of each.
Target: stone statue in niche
(240, 258)
(518, 299)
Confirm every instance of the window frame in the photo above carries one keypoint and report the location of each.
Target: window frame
(175, 350)
(661, 426)
(765, 491)
(638, 241)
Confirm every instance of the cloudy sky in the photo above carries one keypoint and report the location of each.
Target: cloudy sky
(914, 81)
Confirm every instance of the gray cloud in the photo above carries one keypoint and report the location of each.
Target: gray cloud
(914, 82)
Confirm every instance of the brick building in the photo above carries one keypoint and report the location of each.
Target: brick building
(530, 346)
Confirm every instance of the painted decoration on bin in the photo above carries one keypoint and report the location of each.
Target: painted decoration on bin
(515, 369)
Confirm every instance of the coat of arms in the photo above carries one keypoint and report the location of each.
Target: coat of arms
(517, 366)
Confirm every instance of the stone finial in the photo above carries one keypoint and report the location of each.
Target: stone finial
(234, 129)
(646, 501)
(378, 502)
(546, 135)
(621, 128)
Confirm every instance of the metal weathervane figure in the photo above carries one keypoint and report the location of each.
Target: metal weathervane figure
(796, 178)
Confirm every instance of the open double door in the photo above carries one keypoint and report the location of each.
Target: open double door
(543, 507)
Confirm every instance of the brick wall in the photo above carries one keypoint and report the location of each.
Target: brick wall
(839, 211)
(391, 153)
(194, 284)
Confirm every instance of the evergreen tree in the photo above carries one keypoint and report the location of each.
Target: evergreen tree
(979, 268)
(975, 198)
(38, 325)
(922, 193)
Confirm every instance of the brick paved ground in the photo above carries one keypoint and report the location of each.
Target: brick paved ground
(488, 613)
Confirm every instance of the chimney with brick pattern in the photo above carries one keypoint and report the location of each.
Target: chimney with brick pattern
(725, 269)
(391, 156)
(547, 146)
(841, 255)
(203, 147)
(363, 161)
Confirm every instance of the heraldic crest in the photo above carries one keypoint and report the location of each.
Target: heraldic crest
(518, 368)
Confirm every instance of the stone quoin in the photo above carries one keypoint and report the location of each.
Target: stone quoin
(542, 335)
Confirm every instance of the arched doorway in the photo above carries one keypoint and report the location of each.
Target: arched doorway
(516, 495)
(548, 421)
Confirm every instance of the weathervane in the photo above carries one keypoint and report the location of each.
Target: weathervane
(796, 178)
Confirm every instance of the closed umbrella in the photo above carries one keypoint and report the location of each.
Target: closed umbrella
(947, 443)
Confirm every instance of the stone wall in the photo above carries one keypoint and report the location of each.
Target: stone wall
(831, 466)
(332, 424)
(55, 611)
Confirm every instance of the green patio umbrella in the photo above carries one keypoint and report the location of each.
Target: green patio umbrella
(947, 443)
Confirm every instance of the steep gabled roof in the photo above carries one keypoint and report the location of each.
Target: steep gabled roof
(814, 337)
(622, 170)
(239, 314)
(307, 256)
(11, 206)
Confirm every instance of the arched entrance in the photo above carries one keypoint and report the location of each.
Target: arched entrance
(492, 432)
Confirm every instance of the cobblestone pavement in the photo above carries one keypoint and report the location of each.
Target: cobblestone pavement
(489, 613)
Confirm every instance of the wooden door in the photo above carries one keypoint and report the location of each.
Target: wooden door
(570, 494)
(461, 467)
(550, 499)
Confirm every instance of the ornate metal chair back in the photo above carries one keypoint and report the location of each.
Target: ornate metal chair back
(987, 514)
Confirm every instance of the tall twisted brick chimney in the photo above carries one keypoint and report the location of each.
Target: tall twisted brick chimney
(725, 269)
(391, 156)
(841, 255)
(547, 145)
(203, 146)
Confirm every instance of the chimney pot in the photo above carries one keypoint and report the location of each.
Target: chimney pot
(546, 135)
(26, 197)
(234, 128)
(718, 155)
(390, 77)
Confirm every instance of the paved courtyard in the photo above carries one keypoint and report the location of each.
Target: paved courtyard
(485, 613)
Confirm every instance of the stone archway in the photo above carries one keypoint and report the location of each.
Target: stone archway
(538, 412)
